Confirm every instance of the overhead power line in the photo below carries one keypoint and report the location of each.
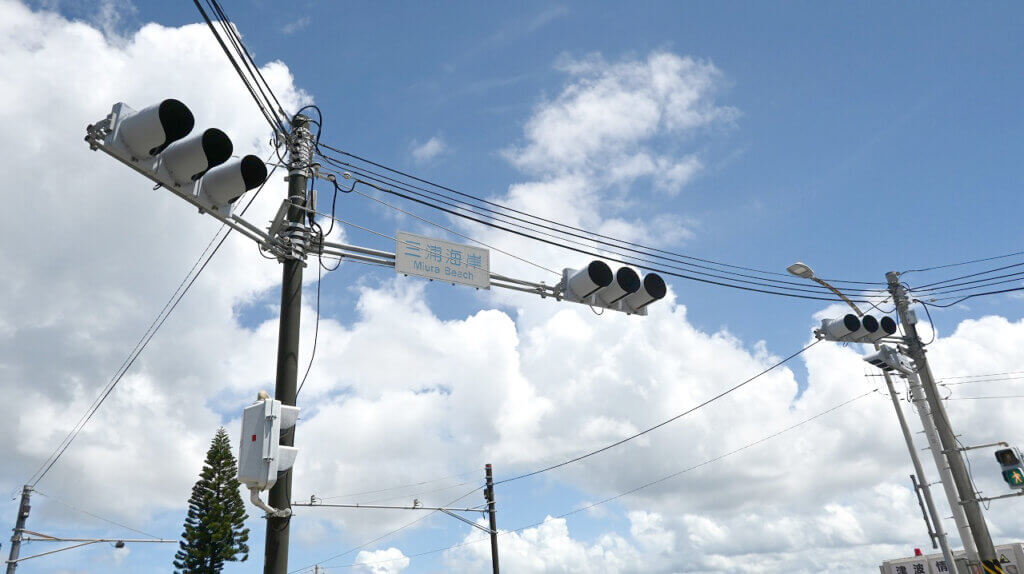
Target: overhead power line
(614, 248)
(158, 322)
(961, 263)
(653, 251)
(595, 241)
(385, 535)
(96, 516)
(625, 493)
(600, 255)
(661, 424)
(262, 102)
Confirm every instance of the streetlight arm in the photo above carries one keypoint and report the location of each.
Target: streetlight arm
(839, 294)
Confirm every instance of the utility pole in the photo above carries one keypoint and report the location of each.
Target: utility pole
(300, 157)
(958, 469)
(939, 533)
(492, 517)
(941, 462)
(935, 530)
(19, 527)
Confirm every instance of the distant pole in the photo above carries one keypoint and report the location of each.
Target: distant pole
(19, 527)
(491, 514)
(300, 152)
(964, 487)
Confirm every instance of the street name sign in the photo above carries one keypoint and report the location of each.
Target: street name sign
(442, 260)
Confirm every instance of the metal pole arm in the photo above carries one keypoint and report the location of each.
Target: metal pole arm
(73, 546)
(380, 506)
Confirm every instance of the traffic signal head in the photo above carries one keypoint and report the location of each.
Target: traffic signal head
(623, 290)
(222, 185)
(153, 142)
(148, 132)
(626, 283)
(889, 359)
(589, 280)
(1012, 466)
(853, 329)
(187, 160)
(261, 456)
(652, 289)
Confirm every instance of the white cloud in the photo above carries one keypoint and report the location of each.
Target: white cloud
(296, 25)
(390, 561)
(428, 150)
(606, 123)
(415, 396)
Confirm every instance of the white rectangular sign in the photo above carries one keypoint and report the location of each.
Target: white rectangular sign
(442, 260)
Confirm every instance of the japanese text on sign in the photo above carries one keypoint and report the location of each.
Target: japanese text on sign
(442, 260)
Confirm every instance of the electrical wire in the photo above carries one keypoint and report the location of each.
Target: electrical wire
(999, 380)
(186, 283)
(399, 487)
(613, 247)
(96, 516)
(983, 283)
(427, 514)
(661, 424)
(275, 122)
(250, 64)
(631, 491)
(513, 210)
(985, 376)
(981, 260)
(598, 255)
(452, 231)
(962, 299)
(983, 398)
(254, 69)
(618, 250)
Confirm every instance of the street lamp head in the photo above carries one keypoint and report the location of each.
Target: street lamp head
(801, 269)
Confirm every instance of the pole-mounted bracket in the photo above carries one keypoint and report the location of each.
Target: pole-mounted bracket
(254, 497)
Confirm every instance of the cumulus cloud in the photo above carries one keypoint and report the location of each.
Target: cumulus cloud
(399, 393)
(428, 150)
(607, 120)
(389, 561)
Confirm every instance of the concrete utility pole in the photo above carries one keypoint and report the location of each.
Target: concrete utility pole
(800, 269)
(19, 527)
(300, 157)
(958, 469)
(491, 516)
(945, 475)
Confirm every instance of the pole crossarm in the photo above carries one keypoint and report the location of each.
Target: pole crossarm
(976, 500)
(466, 520)
(385, 507)
(387, 259)
(449, 511)
(1000, 443)
(72, 547)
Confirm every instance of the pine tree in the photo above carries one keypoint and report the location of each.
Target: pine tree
(215, 528)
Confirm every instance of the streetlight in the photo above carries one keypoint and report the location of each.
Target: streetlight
(802, 270)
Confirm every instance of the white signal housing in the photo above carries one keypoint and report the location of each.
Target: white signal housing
(261, 456)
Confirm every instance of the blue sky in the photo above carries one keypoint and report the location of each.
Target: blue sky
(858, 138)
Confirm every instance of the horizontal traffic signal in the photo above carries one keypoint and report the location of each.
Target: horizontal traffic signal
(154, 141)
(623, 290)
(853, 329)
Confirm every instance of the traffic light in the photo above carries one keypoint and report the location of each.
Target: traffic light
(853, 329)
(1013, 467)
(889, 359)
(153, 142)
(261, 457)
(623, 290)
